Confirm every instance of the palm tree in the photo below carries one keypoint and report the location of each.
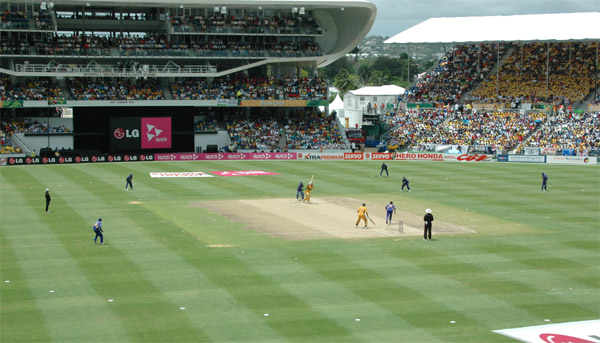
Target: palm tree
(343, 81)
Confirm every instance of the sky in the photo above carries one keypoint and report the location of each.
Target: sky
(395, 16)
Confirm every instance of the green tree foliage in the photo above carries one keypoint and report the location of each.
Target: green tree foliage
(330, 71)
(344, 81)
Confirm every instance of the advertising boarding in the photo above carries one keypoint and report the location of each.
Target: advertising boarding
(135, 133)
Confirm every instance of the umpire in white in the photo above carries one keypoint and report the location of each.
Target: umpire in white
(428, 219)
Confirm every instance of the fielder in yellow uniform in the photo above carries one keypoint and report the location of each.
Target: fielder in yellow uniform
(362, 214)
(309, 188)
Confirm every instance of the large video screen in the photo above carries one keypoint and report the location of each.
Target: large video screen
(135, 133)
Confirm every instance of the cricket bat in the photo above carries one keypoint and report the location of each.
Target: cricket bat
(371, 220)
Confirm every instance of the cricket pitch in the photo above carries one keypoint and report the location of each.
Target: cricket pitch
(323, 218)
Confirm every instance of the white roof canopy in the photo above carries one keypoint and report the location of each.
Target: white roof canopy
(532, 27)
(377, 91)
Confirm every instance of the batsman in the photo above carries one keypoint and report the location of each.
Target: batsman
(362, 214)
(309, 188)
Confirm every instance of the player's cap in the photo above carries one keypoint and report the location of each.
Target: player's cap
(99, 219)
(364, 204)
(47, 189)
(428, 210)
(391, 202)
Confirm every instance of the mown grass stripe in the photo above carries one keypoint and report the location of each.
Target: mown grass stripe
(220, 277)
(97, 264)
(47, 265)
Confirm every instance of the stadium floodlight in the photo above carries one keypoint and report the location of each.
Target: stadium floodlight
(223, 10)
(301, 12)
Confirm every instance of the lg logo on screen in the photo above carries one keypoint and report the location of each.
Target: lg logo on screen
(119, 133)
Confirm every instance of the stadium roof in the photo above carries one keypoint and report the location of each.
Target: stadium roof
(381, 90)
(532, 27)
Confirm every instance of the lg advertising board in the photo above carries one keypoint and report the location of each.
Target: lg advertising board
(135, 133)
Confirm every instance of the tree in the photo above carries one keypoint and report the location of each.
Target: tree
(343, 81)
(330, 71)
(379, 78)
(364, 71)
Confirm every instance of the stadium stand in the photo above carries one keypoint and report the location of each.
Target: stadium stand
(116, 59)
(522, 78)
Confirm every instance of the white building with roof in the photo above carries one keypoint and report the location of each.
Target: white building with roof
(368, 100)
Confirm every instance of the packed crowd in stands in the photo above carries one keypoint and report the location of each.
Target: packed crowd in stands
(522, 76)
(156, 45)
(568, 131)
(281, 24)
(20, 20)
(502, 130)
(6, 131)
(459, 71)
(206, 125)
(302, 130)
(251, 88)
(33, 126)
(119, 89)
(30, 90)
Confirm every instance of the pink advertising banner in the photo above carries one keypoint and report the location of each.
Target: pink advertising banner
(243, 173)
(156, 133)
(226, 156)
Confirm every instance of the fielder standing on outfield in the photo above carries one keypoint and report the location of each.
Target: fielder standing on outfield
(309, 188)
(362, 214)
(98, 231)
(390, 209)
(544, 181)
(128, 180)
(384, 167)
(427, 219)
(404, 184)
(48, 199)
(300, 191)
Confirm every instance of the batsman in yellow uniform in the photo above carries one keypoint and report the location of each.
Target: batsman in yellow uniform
(309, 188)
(362, 214)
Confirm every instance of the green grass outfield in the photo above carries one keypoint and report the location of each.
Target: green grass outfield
(535, 256)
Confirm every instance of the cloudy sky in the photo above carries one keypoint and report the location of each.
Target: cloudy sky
(395, 16)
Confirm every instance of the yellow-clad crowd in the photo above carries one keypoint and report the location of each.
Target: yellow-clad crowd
(570, 68)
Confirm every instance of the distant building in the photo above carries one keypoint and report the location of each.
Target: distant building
(367, 101)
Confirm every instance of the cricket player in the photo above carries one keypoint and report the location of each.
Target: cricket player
(384, 167)
(128, 180)
(404, 184)
(544, 181)
(427, 219)
(48, 199)
(300, 191)
(309, 188)
(98, 231)
(390, 209)
(362, 214)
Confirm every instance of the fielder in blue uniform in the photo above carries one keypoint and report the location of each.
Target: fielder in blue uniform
(98, 231)
(384, 167)
(128, 180)
(300, 191)
(544, 181)
(390, 209)
(404, 183)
